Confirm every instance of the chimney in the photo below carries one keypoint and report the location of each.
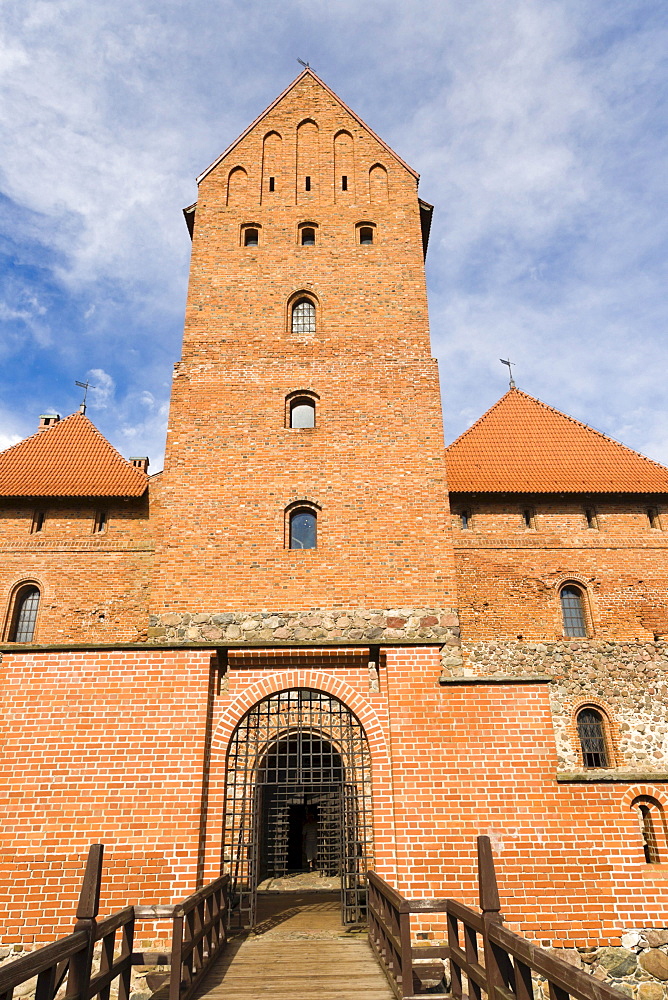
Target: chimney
(140, 463)
(48, 420)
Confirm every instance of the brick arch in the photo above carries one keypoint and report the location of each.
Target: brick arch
(11, 601)
(316, 679)
(611, 732)
(648, 791)
(381, 770)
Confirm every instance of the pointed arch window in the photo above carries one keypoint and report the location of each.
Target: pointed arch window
(592, 737)
(24, 614)
(573, 611)
(303, 316)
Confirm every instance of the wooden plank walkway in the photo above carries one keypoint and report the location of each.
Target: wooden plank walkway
(299, 951)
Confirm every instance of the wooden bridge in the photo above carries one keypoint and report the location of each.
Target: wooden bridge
(298, 950)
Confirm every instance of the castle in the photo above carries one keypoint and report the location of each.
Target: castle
(318, 608)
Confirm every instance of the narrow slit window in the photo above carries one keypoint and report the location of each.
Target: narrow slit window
(302, 412)
(465, 520)
(344, 182)
(25, 615)
(572, 610)
(653, 518)
(591, 733)
(251, 237)
(307, 183)
(302, 529)
(308, 236)
(650, 842)
(303, 317)
(39, 517)
(272, 183)
(100, 523)
(528, 518)
(591, 518)
(366, 236)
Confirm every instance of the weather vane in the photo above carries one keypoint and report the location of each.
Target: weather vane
(85, 386)
(302, 63)
(510, 372)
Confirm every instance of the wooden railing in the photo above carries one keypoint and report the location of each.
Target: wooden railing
(483, 955)
(199, 933)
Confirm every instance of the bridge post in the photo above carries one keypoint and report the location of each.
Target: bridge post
(496, 961)
(78, 979)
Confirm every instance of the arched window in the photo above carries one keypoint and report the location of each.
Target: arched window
(302, 528)
(251, 237)
(573, 611)
(24, 614)
(303, 316)
(591, 733)
(307, 236)
(652, 828)
(365, 233)
(302, 412)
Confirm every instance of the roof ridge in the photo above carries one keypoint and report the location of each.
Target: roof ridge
(522, 443)
(40, 431)
(75, 460)
(305, 72)
(593, 430)
(482, 417)
(558, 413)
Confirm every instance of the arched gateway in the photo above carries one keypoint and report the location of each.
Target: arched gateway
(295, 753)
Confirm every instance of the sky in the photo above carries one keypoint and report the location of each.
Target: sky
(539, 129)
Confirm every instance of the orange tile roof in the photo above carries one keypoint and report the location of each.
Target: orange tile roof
(70, 458)
(521, 445)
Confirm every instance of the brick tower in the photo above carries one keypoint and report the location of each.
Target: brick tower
(306, 306)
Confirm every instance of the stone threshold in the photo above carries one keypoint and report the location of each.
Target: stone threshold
(497, 679)
(596, 776)
(63, 647)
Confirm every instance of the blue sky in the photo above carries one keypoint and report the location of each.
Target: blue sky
(539, 128)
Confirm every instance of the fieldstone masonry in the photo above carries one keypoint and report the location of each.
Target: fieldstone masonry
(639, 968)
(418, 625)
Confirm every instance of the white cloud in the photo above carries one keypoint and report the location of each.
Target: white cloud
(537, 125)
(101, 391)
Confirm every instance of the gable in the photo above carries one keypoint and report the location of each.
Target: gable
(70, 458)
(307, 90)
(521, 445)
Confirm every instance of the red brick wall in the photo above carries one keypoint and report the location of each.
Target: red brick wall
(98, 747)
(509, 576)
(94, 586)
(112, 747)
(374, 462)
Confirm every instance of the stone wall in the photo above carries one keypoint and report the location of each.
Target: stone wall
(341, 625)
(639, 968)
(629, 681)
